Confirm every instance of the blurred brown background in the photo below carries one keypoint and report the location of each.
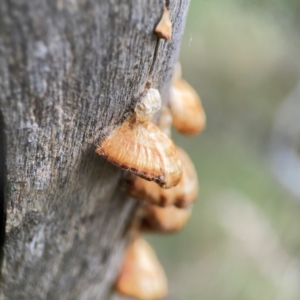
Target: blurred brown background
(243, 240)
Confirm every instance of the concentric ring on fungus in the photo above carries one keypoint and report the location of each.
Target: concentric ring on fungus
(140, 147)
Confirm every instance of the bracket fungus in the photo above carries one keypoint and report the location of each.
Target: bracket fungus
(182, 195)
(164, 28)
(164, 219)
(188, 114)
(189, 182)
(141, 147)
(141, 275)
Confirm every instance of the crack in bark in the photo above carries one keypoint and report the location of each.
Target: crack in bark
(153, 60)
(154, 56)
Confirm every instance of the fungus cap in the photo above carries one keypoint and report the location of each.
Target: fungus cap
(141, 275)
(164, 28)
(164, 219)
(188, 114)
(189, 182)
(140, 147)
(182, 195)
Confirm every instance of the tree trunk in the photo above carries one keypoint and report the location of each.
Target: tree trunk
(70, 71)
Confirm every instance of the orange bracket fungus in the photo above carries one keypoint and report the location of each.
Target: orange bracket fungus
(164, 28)
(140, 147)
(182, 195)
(146, 150)
(164, 219)
(141, 275)
(185, 105)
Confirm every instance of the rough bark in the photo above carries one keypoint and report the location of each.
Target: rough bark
(70, 71)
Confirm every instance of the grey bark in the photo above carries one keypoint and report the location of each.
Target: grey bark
(70, 71)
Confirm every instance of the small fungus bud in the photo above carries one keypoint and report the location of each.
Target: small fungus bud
(164, 28)
(182, 195)
(140, 147)
(141, 275)
(164, 219)
(149, 105)
(185, 105)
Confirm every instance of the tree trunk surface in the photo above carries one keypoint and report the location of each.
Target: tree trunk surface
(70, 72)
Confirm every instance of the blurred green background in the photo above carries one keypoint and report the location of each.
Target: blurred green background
(243, 240)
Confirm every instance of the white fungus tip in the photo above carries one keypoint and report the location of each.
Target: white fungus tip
(149, 105)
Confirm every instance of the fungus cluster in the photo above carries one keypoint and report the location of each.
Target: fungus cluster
(159, 175)
(140, 147)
